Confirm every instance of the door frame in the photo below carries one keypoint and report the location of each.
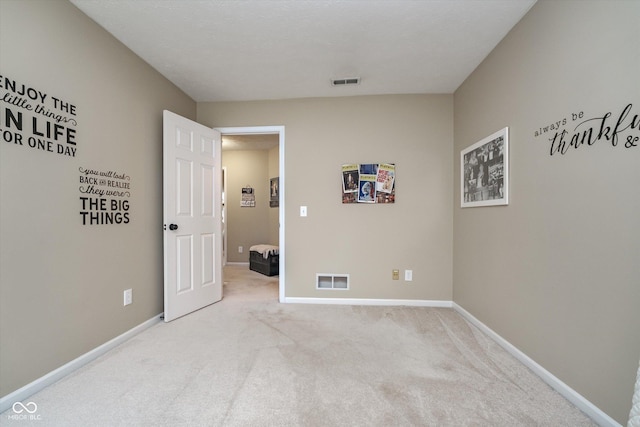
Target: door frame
(225, 249)
(262, 130)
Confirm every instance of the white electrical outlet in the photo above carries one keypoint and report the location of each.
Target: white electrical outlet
(408, 275)
(128, 296)
(240, 249)
(303, 211)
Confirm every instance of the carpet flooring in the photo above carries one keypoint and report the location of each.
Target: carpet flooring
(250, 361)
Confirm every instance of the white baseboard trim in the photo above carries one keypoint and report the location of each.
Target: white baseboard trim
(237, 263)
(369, 301)
(567, 392)
(33, 387)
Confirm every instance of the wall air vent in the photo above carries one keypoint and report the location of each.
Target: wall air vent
(332, 281)
(346, 82)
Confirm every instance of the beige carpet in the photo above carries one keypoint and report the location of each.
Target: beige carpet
(250, 361)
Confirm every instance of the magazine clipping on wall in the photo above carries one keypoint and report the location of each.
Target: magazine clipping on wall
(368, 183)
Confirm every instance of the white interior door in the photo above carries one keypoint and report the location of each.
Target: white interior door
(192, 216)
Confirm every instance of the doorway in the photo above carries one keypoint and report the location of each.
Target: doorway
(256, 131)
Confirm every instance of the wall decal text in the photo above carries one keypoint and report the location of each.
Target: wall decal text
(104, 197)
(619, 129)
(34, 119)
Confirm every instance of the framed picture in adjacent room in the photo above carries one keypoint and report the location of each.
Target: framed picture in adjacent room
(274, 192)
(484, 171)
(248, 198)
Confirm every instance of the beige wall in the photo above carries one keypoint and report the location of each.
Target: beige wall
(556, 272)
(61, 282)
(365, 241)
(246, 226)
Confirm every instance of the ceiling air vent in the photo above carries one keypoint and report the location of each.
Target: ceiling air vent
(345, 82)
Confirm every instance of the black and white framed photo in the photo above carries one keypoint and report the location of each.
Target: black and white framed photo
(484, 171)
(274, 192)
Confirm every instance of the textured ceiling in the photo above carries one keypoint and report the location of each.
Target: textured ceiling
(231, 50)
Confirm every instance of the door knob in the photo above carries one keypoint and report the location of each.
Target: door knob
(173, 227)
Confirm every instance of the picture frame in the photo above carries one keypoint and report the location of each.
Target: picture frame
(274, 192)
(248, 198)
(484, 171)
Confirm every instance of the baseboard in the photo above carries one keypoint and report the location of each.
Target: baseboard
(369, 301)
(237, 263)
(23, 393)
(567, 392)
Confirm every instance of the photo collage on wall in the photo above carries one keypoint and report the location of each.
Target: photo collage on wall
(484, 171)
(369, 183)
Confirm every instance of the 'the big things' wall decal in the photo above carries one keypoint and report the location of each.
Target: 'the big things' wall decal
(104, 197)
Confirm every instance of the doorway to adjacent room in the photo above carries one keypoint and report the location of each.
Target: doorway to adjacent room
(258, 138)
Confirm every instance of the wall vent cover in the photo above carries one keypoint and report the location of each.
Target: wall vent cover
(346, 81)
(332, 281)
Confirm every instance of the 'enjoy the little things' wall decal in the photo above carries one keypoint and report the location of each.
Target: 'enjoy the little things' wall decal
(618, 129)
(34, 119)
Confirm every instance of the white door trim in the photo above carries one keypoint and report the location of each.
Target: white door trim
(225, 249)
(256, 130)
